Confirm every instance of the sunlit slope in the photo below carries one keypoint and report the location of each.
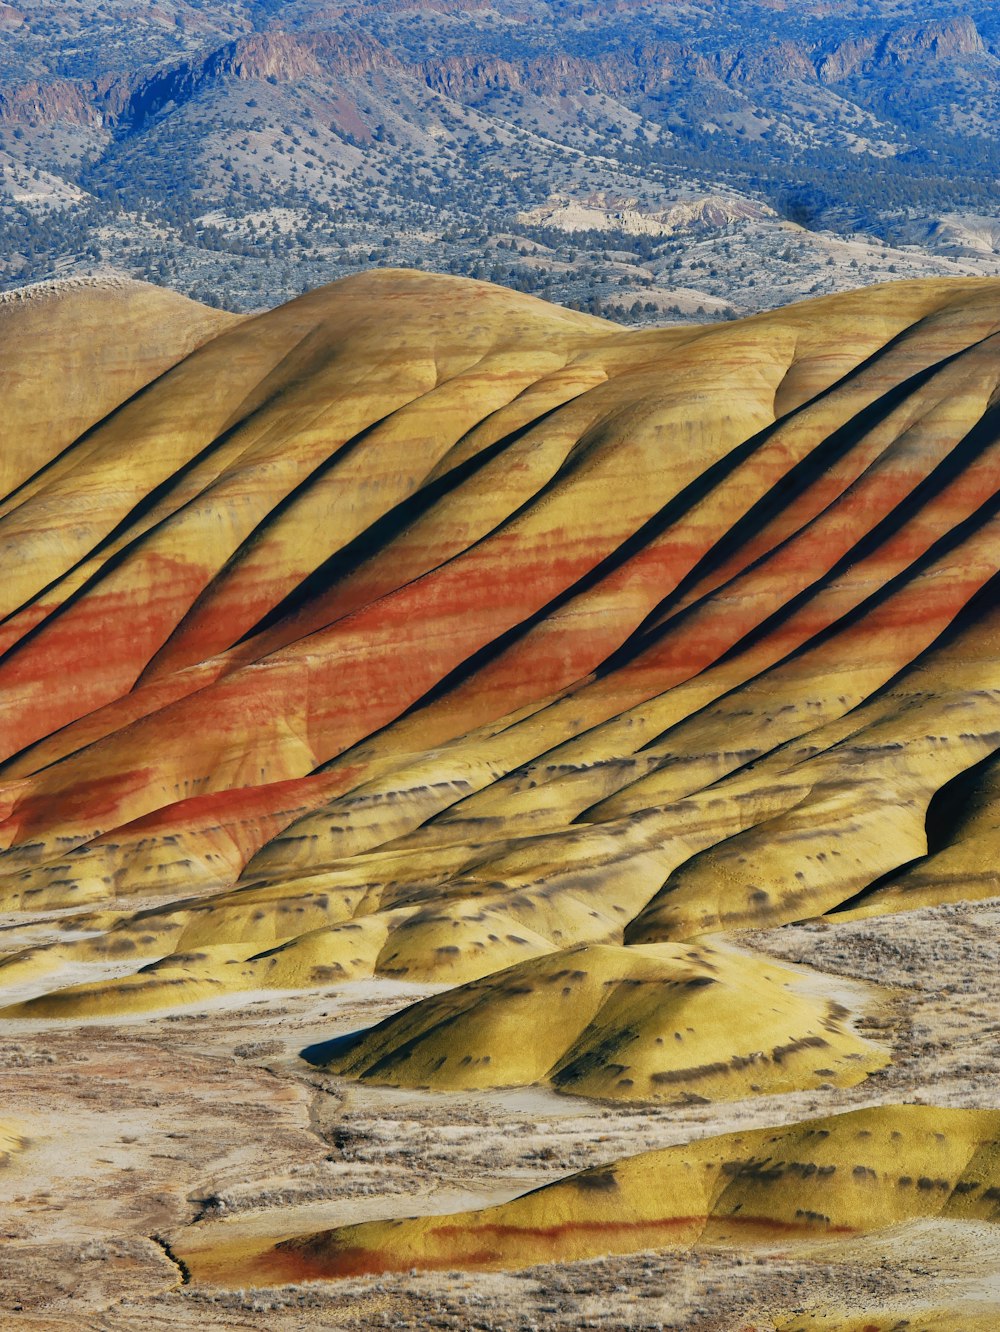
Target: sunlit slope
(963, 849)
(661, 1022)
(11, 1142)
(822, 1180)
(420, 628)
(264, 441)
(72, 352)
(980, 1316)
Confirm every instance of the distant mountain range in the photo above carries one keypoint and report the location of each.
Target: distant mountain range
(237, 148)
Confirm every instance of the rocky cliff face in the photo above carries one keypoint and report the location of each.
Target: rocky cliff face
(272, 56)
(288, 57)
(780, 61)
(133, 100)
(647, 66)
(636, 70)
(471, 76)
(945, 40)
(43, 103)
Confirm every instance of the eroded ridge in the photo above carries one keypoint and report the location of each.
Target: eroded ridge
(418, 628)
(655, 1022)
(821, 1181)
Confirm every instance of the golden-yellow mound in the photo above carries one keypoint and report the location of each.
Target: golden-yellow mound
(963, 860)
(55, 336)
(825, 1179)
(662, 1022)
(981, 1317)
(11, 1142)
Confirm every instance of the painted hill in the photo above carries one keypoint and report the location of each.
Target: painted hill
(654, 1022)
(966, 1318)
(823, 1180)
(11, 1142)
(418, 628)
(73, 351)
(422, 634)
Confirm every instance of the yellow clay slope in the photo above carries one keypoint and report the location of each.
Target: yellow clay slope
(661, 1022)
(821, 1180)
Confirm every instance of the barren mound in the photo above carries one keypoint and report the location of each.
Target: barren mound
(11, 1142)
(968, 1318)
(822, 1180)
(655, 1022)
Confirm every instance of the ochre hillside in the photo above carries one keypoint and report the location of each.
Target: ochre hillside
(11, 1141)
(654, 1022)
(826, 1179)
(74, 351)
(420, 628)
(419, 633)
(978, 1317)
